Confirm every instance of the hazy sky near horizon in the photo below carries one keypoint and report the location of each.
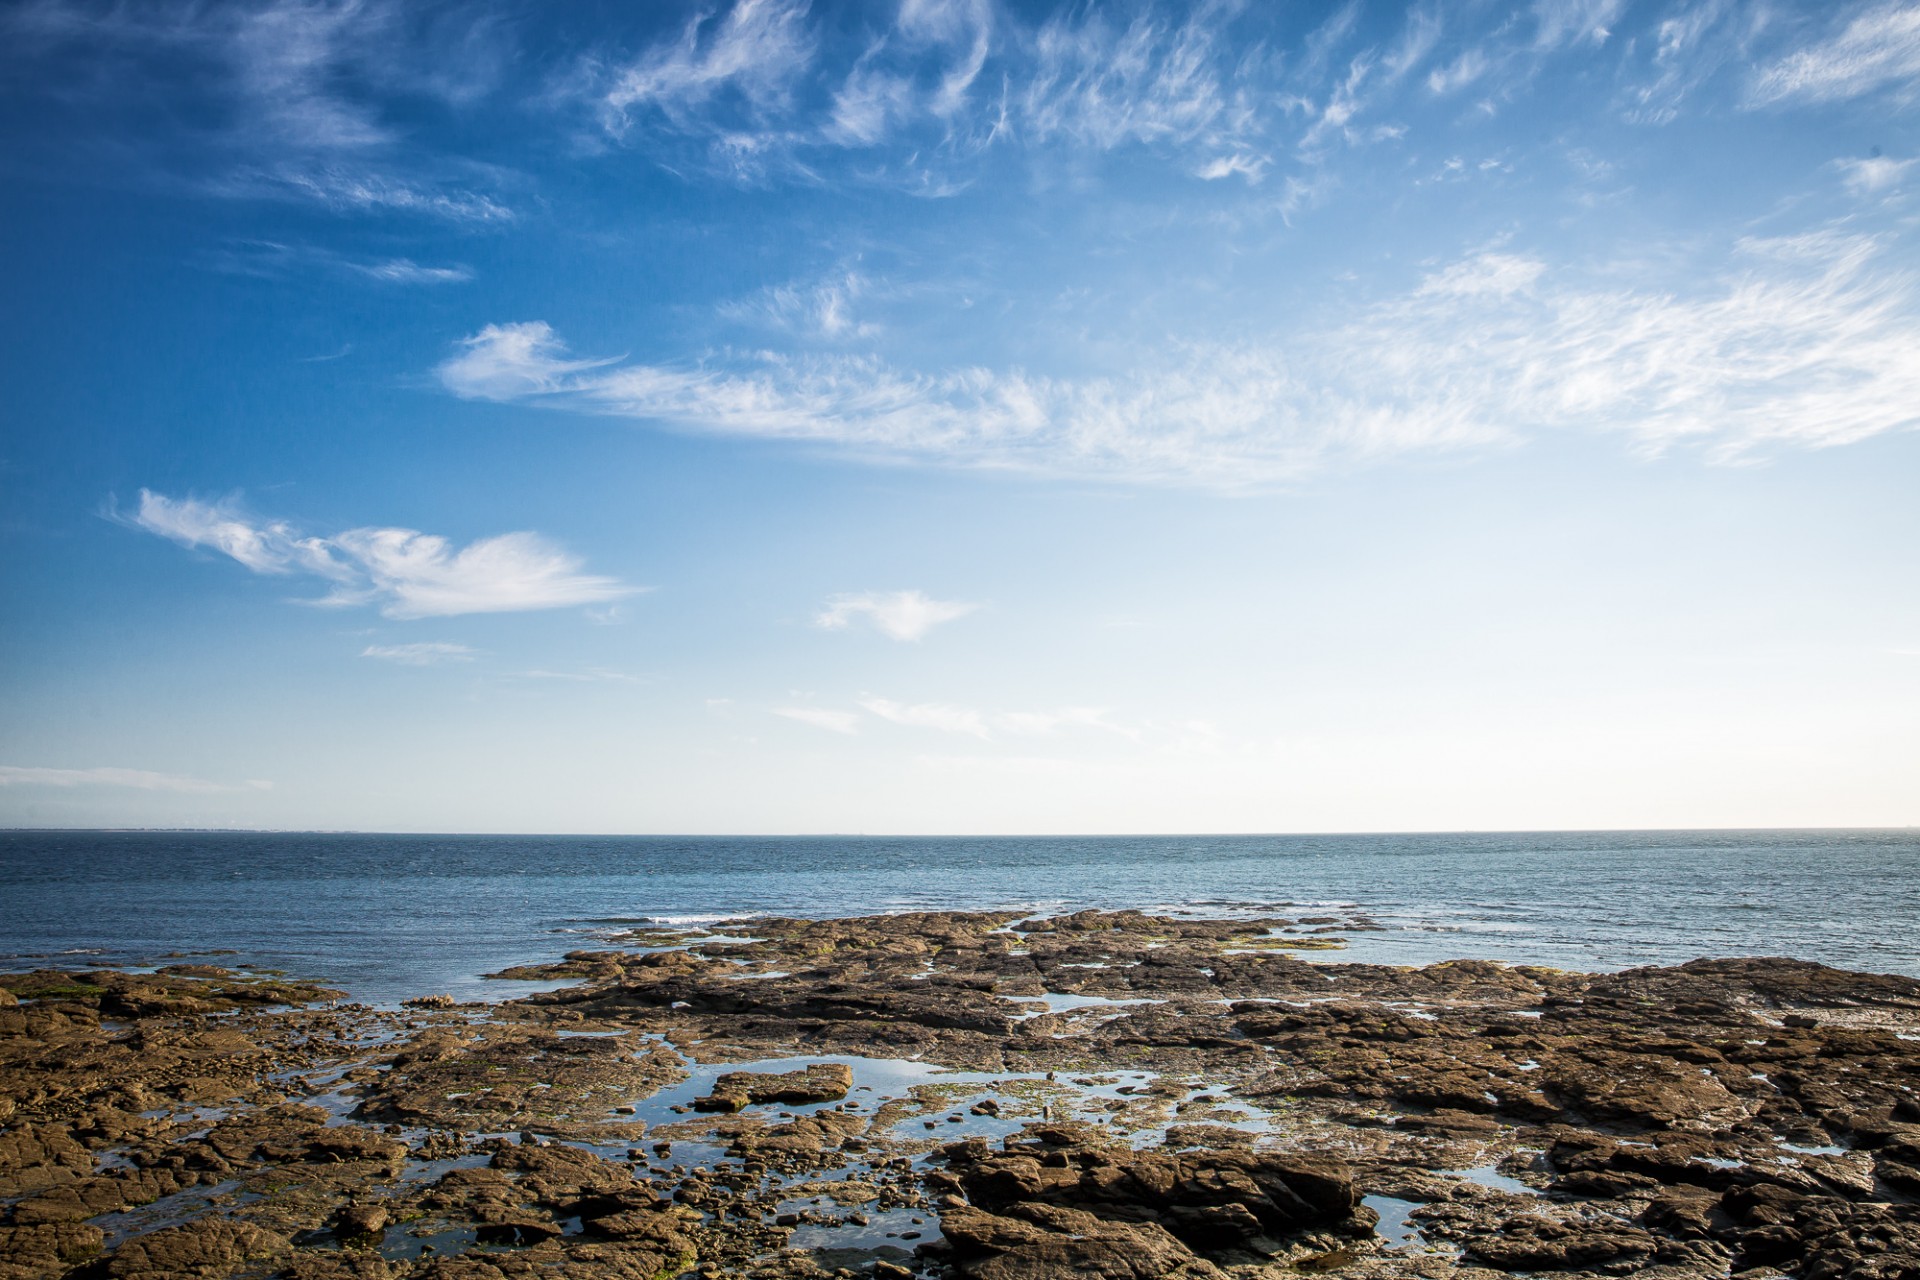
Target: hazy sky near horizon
(959, 416)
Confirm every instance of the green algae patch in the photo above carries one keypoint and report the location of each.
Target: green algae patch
(50, 986)
(1284, 944)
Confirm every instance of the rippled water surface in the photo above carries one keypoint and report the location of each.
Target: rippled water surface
(388, 916)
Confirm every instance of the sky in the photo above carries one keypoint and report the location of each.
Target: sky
(955, 416)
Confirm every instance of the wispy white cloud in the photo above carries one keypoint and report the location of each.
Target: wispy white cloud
(282, 61)
(867, 105)
(407, 271)
(751, 53)
(514, 361)
(421, 575)
(407, 573)
(313, 100)
(286, 59)
(1213, 90)
(1486, 274)
(823, 308)
(286, 98)
(1802, 341)
(921, 71)
(425, 653)
(262, 546)
(1151, 81)
(767, 89)
(928, 715)
(1876, 49)
(136, 779)
(1465, 68)
(947, 718)
(356, 188)
(822, 718)
(271, 259)
(1564, 22)
(1418, 38)
(1870, 175)
(1690, 45)
(1250, 167)
(941, 717)
(1343, 103)
(951, 79)
(903, 615)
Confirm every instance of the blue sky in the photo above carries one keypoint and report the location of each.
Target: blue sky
(952, 416)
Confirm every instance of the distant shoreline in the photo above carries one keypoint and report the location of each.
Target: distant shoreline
(923, 835)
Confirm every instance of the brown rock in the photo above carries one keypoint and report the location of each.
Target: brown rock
(1047, 1243)
(47, 1248)
(356, 1264)
(1206, 1201)
(206, 1247)
(1637, 1089)
(1207, 1135)
(1448, 1121)
(1536, 1244)
(821, 1082)
(353, 1143)
(659, 1226)
(34, 1157)
(359, 1221)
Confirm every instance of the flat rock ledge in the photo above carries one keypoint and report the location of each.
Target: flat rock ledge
(1066, 1200)
(821, 1082)
(968, 1096)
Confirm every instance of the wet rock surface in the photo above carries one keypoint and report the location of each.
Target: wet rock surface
(1104, 1094)
(1067, 1192)
(822, 1082)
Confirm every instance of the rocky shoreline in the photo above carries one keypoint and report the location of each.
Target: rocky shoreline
(1106, 1094)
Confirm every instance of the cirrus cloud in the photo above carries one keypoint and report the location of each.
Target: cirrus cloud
(928, 715)
(1797, 341)
(1876, 49)
(408, 574)
(297, 100)
(903, 615)
(943, 717)
(822, 718)
(426, 653)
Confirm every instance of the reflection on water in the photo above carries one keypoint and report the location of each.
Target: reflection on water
(1396, 1223)
(1054, 1002)
(1487, 1175)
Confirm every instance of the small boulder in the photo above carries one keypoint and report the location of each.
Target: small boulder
(821, 1082)
(358, 1222)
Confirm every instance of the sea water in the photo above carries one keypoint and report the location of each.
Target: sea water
(389, 916)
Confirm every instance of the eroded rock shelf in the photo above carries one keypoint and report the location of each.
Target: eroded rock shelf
(1106, 1094)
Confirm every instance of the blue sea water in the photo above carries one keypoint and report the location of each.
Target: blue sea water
(388, 916)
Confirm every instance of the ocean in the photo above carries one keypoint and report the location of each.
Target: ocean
(391, 916)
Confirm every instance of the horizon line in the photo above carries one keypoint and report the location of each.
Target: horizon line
(925, 835)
